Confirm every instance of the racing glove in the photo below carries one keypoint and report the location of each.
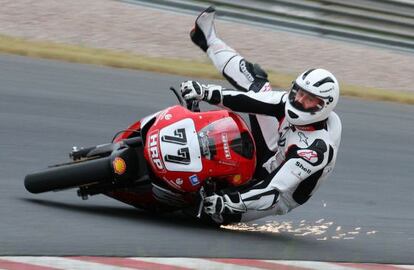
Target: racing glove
(218, 207)
(191, 90)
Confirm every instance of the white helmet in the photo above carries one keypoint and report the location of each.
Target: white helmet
(318, 83)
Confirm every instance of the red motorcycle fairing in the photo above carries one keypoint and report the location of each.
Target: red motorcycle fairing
(185, 148)
(226, 152)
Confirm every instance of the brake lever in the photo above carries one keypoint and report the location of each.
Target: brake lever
(195, 106)
(202, 194)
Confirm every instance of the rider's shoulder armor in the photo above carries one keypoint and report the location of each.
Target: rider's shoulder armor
(309, 157)
(321, 141)
(317, 149)
(309, 146)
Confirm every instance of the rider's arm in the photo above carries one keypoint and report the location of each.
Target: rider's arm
(295, 180)
(264, 101)
(303, 166)
(270, 103)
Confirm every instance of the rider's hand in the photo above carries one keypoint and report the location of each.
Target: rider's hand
(211, 93)
(214, 207)
(217, 205)
(191, 90)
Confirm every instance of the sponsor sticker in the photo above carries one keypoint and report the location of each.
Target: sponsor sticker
(172, 183)
(309, 155)
(266, 88)
(160, 116)
(194, 180)
(179, 181)
(326, 91)
(303, 168)
(168, 116)
(119, 166)
(226, 145)
(154, 150)
(244, 70)
(236, 179)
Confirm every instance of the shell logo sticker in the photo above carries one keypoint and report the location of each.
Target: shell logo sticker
(236, 180)
(119, 166)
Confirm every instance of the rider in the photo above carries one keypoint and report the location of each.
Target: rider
(297, 134)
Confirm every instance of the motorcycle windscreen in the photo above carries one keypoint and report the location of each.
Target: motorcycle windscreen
(221, 141)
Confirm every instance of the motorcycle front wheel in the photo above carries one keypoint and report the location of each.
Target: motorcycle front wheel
(70, 175)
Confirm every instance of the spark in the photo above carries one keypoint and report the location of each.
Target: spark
(319, 229)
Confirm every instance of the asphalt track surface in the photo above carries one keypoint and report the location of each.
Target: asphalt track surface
(363, 213)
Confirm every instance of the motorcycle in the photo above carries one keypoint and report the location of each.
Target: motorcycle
(164, 162)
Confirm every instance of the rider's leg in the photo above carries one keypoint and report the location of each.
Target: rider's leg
(240, 73)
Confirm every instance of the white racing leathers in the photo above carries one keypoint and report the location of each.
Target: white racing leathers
(292, 162)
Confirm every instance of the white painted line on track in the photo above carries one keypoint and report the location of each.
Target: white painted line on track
(314, 265)
(64, 263)
(198, 263)
(411, 267)
(111, 263)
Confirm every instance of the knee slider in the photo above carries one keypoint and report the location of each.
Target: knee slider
(252, 71)
(259, 72)
(255, 74)
(246, 68)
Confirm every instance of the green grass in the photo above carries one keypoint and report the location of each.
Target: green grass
(79, 54)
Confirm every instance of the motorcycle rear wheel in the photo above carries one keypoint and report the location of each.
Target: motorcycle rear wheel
(70, 175)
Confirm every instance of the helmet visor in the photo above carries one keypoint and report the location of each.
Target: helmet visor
(305, 101)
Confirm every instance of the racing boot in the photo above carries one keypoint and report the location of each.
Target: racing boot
(204, 33)
(231, 64)
(204, 36)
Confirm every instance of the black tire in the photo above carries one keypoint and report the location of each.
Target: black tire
(70, 176)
